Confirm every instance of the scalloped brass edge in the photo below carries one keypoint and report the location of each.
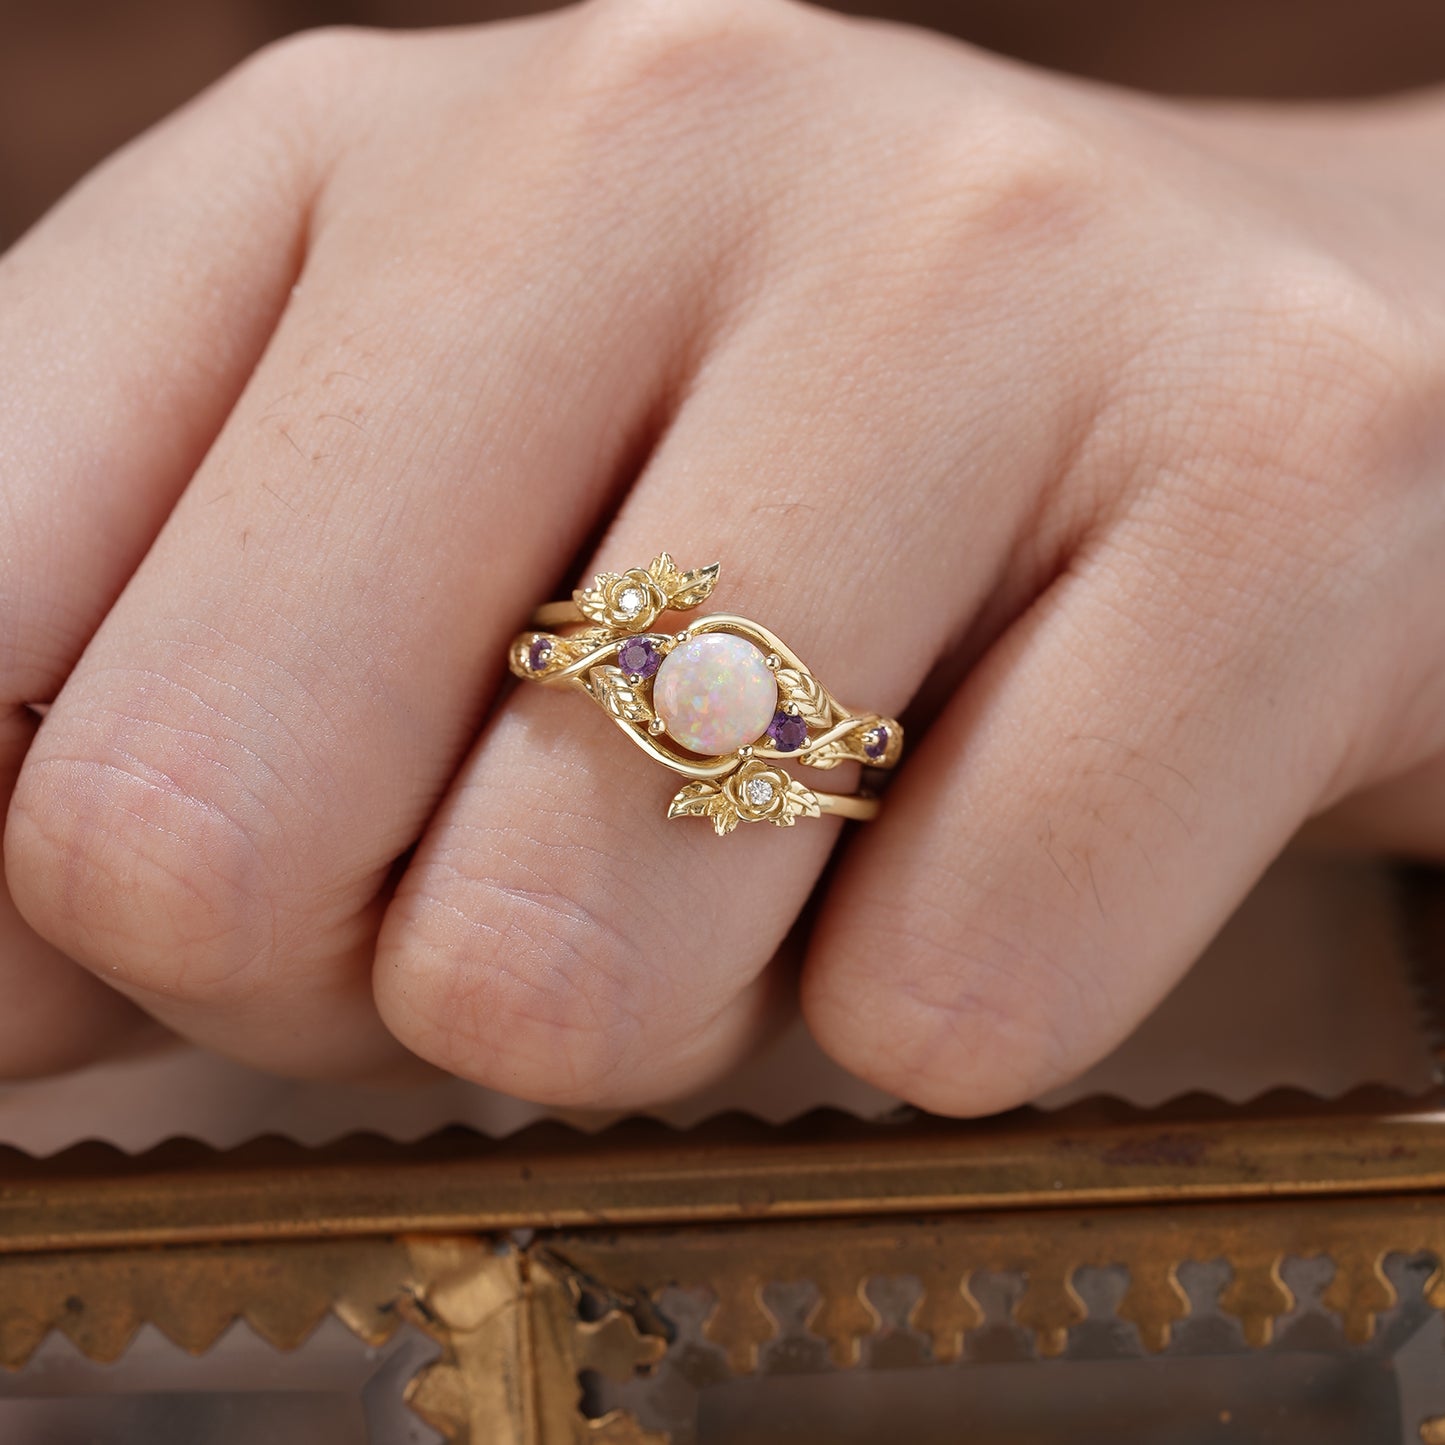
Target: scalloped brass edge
(948, 1254)
(516, 1337)
(641, 1172)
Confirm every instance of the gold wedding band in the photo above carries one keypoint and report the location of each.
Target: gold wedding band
(722, 702)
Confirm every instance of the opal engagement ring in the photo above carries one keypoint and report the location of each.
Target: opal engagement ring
(722, 702)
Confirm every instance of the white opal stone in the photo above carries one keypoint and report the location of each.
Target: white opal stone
(715, 693)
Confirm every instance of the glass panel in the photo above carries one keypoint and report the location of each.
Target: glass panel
(1261, 1399)
(334, 1390)
(1208, 1388)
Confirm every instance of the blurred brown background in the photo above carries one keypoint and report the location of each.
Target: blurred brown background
(77, 77)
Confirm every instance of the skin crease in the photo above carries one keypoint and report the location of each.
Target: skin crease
(1105, 430)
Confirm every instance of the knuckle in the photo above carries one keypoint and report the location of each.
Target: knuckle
(968, 1019)
(1278, 479)
(130, 867)
(670, 109)
(300, 88)
(302, 60)
(515, 978)
(634, 55)
(1313, 369)
(1343, 355)
(997, 175)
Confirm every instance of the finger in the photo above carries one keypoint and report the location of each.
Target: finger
(556, 935)
(129, 319)
(1098, 797)
(212, 813)
(53, 1015)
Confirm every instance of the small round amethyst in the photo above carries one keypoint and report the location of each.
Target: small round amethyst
(538, 653)
(875, 741)
(639, 657)
(788, 732)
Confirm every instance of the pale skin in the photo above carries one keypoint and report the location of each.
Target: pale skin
(1103, 432)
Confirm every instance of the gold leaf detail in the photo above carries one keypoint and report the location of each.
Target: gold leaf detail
(693, 587)
(694, 799)
(830, 754)
(705, 800)
(577, 645)
(798, 802)
(806, 694)
(663, 570)
(623, 701)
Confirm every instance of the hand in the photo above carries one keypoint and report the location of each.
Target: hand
(1105, 431)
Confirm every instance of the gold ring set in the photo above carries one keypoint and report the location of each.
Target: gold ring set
(723, 702)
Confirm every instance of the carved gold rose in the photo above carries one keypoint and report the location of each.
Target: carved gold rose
(633, 599)
(758, 792)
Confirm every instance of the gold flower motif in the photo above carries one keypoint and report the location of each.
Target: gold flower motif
(633, 599)
(757, 792)
(629, 600)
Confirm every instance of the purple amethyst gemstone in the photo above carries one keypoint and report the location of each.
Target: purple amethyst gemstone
(875, 742)
(538, 653)
(788, 733)
(639, 655)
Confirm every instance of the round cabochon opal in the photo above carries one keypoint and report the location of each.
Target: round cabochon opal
(714, 693)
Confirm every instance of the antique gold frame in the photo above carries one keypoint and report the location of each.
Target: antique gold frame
(93, 1242)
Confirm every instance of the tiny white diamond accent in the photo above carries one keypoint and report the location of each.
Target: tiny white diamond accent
(759, 791)
(629, 604)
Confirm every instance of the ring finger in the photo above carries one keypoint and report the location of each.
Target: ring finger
(556, 935)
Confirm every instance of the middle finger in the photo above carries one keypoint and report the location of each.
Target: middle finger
(211, 813)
